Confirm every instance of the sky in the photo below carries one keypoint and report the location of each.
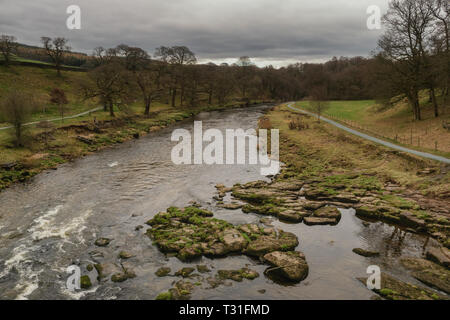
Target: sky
(271, 32)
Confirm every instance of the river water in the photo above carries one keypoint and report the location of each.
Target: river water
(52, 222)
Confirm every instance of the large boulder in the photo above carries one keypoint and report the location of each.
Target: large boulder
(289, 265)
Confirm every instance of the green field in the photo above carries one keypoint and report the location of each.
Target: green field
(350, 110)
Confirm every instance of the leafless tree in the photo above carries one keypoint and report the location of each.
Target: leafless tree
(408, 26)
(8, 46)
(112, 84)
(58, 97)
(16, 109)
(56, 49)
(319, 100)
(177, 57)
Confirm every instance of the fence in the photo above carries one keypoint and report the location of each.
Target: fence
(413, 138)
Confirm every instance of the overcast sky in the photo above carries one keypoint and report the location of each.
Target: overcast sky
(274, 32)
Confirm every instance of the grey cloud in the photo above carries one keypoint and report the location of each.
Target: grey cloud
(267, 30)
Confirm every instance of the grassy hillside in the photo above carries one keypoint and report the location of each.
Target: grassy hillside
(395, 122)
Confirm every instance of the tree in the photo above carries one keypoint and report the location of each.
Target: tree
(16, 109)
(149, 75)
(8, 46)
(56, 49)
(441, 12)
(319, 100)
(58, 97)
(408, 26)
(112, 84)
(177, 57)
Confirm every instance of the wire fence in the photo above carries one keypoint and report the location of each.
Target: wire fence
(413, 138)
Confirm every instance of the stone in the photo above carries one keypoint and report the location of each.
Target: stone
(429, 273)
(328, 212)
(202, 268)
(439, 255)
(237, 275)
(102, 242)
(290, 265)
(284, 241)
(366, 253)
(291, 215)
(85, 282)
(125, 255)
(123, 276)
(311, 221)
(233, 240)
(185, 272)
(231, 206)
(105, 270)
(163, 271)
(394, 289)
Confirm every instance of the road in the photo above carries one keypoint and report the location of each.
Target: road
(56, 119)
(373, 139)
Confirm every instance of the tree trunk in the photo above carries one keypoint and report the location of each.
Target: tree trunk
(433, 99)
(111, 109)
(174, 95)
(147, 106)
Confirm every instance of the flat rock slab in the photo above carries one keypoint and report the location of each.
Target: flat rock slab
(439, 255)
(289, 265)
(366, 253)
(429, 273)
(312, 221)
(394, 289)
(328, 212)
(292, 215)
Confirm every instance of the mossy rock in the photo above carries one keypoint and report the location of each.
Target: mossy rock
(163, 271)
(85, 282)
(164, 296)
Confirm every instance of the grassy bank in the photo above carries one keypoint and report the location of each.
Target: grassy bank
(395, 123)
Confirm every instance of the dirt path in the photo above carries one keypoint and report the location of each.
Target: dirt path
(56, 119)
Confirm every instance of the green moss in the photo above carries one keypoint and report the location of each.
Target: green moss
(164, 296)
(85, 282)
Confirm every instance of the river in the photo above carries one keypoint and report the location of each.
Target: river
(52, 222)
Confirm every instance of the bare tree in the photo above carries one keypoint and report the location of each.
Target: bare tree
(408, 24)
(112, 84)
(8, 46)
(177, 57)
(56, 49)
(16, 109)
(319, 100)
(58, 97)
